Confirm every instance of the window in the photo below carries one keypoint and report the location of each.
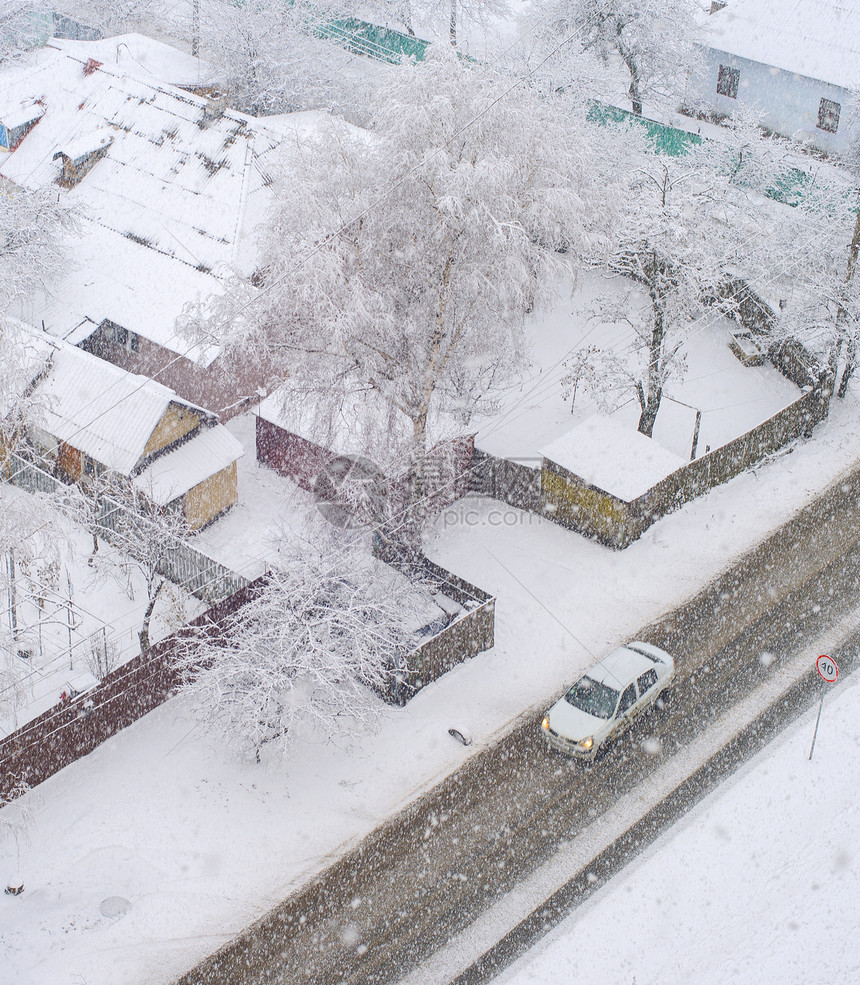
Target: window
(647, 681)
(828, 115)
(628, 699)
(592, 697)
(727, 81)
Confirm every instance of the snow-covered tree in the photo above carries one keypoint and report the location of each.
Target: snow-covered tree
(148, 539)
(402, 262)
(651, 40)
(17, 820)
(300, 659)
(23, 26)
(34, 243)
(268, 60)
(688, 226)
(453, 13)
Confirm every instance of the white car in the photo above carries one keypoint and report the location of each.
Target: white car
(606, 699)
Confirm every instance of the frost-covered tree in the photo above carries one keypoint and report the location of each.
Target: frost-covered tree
(456, 12)
(300, 659)
(34, 243)
(402, 261)
(651, 40)
(17, 820)
(687, 226)
(148, 538)
(23, 26)
(268, 60)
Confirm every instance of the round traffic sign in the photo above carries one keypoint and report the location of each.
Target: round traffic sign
(827, 668)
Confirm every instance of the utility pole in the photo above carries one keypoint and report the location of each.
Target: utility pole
(195, 28)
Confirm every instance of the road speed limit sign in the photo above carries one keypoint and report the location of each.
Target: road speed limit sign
(827, 668)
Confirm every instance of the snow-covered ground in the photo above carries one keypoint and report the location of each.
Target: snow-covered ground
(759, 883)
(200, 843)
(269, 505)
(85, 608)
(732, 398)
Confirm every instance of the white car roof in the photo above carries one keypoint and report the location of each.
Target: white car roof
(622, 666)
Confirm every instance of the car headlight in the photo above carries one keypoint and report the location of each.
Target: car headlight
(587, 743)
(545, 724)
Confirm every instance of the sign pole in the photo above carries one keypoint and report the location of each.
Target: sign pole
(828, 672)
(817, 721)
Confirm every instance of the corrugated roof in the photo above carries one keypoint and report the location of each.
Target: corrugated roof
(166, 207)
(816, 38)
(100, 409)
(142, 56)
(26, 114)
(172, 475)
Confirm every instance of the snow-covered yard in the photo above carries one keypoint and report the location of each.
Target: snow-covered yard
(732, 398)
(200, 843)
(269, 505)
(88, 611)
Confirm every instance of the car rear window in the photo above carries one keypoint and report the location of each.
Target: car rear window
(593, 698)
(645, 653)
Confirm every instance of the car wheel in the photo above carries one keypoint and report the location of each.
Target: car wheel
(662, 701)
(602, 750)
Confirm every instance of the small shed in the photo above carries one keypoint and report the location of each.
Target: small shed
(90, 417)
(298, 435)
(593, 475)
(81, 155)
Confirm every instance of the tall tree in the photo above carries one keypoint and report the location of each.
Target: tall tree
(268, 59)
(689, 225)
(300, 658)
(34, 241)
(402, 261)
(652, 41)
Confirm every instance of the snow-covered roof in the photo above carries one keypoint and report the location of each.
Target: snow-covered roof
(140, 289)
(24, 114)
(816, 38)
(357, 423)
(609, 456)
(171, 207)
(143, 57)
(84, 144)
(172, 475)
(100, 409)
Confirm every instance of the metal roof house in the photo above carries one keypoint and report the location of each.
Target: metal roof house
(171, 187)
(86, 417)
(797, 61)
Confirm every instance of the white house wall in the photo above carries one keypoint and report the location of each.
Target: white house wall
(788, 102)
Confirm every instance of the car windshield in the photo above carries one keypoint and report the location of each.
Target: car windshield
(593, 698)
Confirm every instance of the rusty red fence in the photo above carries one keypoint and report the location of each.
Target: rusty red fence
(74, 728)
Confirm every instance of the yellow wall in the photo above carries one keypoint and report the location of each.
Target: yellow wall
(212, 496)
(584, 508)
(69, 460)
(177, 421)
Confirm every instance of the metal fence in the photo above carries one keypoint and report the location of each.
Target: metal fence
(178, 561)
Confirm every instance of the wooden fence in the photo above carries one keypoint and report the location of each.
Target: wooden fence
(513, 483)
(465, 636)
(74, 728)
